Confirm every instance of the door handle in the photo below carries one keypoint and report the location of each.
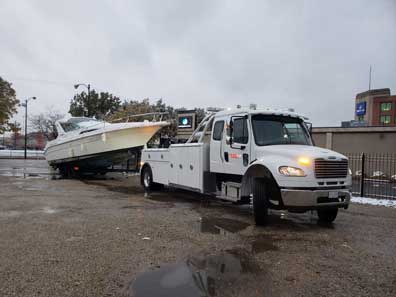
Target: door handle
(245, 159)
(226, 156)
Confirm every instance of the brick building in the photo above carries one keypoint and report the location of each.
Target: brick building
(376, 108)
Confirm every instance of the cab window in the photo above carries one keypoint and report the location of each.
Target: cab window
(240, 130)
(218, 130)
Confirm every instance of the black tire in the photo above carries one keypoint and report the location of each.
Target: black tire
(260, 202)
(147, 180)
(327, 215)
(65, 171)
(62, 171)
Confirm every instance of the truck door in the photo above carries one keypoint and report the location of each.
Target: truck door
(216, 143)
(236, 151)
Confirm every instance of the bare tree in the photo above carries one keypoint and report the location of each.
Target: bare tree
(45, 122)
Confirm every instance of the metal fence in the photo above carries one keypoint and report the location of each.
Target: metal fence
(373, 174)
(19, 154)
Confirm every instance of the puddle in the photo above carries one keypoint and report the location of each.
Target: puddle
(27, 169)
(160, 197)
(25, 175)
(113, 187)
(195, 277)
(263, 244)
(174, 195)
(125, 189)
(222, 226)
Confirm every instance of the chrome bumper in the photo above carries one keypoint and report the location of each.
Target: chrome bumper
(315, 198)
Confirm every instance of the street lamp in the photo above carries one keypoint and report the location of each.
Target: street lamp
(88, 86)
(25, 104)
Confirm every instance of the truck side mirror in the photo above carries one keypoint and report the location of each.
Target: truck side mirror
(309, 127)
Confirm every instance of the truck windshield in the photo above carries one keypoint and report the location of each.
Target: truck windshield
(273, 130)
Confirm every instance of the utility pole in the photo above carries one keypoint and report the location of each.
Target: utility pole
(25, 129)
(88, 97)
(15, 135)
(370, 79)
(26, 132)
(88, 86)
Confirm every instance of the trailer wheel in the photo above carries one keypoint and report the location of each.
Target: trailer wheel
(147, 180)
(68, 171)
(260, 202)
(327, 215)
(63, 171)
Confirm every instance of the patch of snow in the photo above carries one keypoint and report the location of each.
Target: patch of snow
(372, 201)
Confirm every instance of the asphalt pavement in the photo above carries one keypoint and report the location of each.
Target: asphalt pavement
(106, 237)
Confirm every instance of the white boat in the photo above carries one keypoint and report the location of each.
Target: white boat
(90, 143)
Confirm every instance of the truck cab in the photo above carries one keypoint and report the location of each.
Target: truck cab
(264, 157)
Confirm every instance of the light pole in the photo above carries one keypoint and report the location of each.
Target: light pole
(88, 86)
(25, 104)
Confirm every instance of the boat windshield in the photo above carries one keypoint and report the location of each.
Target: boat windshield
(273, 130)
(79, 123)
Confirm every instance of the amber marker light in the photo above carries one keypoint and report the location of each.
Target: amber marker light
(304, 161)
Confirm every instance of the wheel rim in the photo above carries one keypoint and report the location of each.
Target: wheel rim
(147, 179)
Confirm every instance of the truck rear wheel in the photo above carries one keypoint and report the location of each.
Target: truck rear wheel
(260, 202)
(327, 215)
(147, 180)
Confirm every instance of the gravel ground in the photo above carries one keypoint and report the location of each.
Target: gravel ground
(106, 237)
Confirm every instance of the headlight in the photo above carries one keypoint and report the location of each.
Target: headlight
(350, 171)
(291, 171)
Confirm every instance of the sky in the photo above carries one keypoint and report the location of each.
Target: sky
(313, 56)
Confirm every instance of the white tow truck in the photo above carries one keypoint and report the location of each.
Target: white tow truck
(266, 157)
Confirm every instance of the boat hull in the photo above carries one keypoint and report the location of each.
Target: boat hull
(93, 145)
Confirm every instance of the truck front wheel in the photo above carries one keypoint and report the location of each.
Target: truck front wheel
(260, 202)
(327, 215)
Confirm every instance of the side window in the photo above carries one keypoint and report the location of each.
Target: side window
(240, 131)
(218, 130)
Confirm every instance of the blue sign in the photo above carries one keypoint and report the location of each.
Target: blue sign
(361, 108)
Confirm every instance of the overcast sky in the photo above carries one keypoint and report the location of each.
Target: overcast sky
(313, 56)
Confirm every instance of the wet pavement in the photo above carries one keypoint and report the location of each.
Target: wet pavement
(103, 236)
(197, 276)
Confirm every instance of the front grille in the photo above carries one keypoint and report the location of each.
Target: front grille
(331, 168)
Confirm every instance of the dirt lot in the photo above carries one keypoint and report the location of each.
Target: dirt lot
(106, 237)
